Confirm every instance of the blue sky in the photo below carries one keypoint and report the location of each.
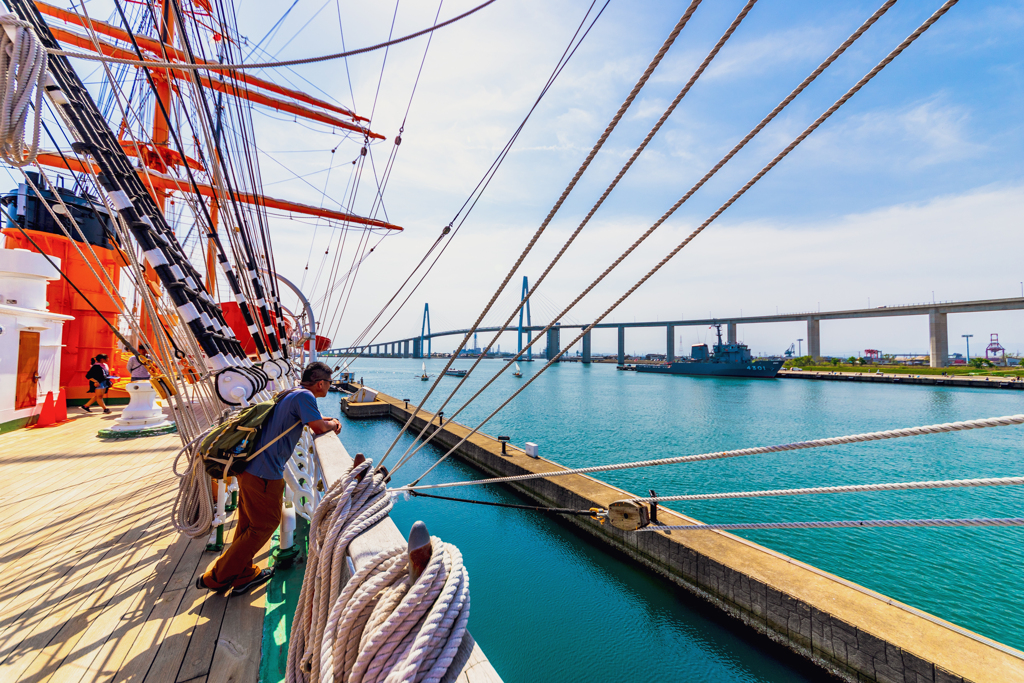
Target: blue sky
(915, 186)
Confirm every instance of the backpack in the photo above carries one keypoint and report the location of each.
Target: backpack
(228, 448)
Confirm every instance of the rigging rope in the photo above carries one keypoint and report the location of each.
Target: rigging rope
(757, 450)
(558, 204)
(590, 214)
(846, 524)
(192, 513)
(851, 488)
(22, 68)
(265, 65)
(778, 158)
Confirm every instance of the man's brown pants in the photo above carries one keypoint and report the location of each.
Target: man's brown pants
(259, 514)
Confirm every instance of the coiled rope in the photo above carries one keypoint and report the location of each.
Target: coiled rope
(848, 524)
(385, 627)
(22, 69)
(353, 504)
(799, 445)
(192, 514)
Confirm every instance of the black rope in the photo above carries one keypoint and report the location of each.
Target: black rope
(536, 508)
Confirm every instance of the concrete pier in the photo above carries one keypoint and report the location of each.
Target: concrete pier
(622, 345)
(554, 342)
(814, 338)
(586, 347)
(670, 343)
(853, 632)
(939, 337)
(731, 330)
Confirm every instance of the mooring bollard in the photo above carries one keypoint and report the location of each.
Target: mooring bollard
(419, 550)
(504, 442)
(406, 403)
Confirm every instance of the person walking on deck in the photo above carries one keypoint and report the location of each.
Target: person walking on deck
(261, 485)
(100, 381)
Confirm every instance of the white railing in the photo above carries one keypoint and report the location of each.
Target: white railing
(304, 477)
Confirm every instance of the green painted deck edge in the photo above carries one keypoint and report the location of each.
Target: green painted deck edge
(16, 424)
(281, 600)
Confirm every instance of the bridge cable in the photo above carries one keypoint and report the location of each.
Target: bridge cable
(565, 193)
(760, 174)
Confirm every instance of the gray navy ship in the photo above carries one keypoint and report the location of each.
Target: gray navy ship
(728, 360)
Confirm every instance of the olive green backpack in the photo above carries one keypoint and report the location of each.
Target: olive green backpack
(229, 447)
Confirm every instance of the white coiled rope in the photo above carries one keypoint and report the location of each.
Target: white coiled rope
(192, 514)
(384, 628)
(22, 69)
(379, 626)
(351, 505)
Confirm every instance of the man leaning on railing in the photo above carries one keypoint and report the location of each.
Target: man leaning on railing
(261, 485)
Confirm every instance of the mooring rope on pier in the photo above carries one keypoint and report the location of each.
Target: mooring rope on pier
(852, 488)
(799, 445)
(847, 524)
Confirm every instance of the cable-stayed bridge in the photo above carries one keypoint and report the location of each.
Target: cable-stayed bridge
(937, 312)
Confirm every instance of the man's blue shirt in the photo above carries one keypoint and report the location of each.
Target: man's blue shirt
(297, 406)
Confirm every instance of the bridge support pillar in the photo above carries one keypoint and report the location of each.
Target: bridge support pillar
(938, 333)
(586, 347)
(405, 349)
(622, 345)
(417, 348)
(814, 338)
(730, 329)
(554, 342)
(670, 342)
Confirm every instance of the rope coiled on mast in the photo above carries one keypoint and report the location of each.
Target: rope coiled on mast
(22, 69)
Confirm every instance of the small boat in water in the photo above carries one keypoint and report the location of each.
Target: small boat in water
(452, 372)
(518, 372)
(424, 376)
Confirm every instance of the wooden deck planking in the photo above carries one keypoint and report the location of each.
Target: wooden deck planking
(97, 584)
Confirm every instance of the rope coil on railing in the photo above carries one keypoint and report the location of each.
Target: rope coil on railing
(192, 513)
(22, 70)
(351, 505)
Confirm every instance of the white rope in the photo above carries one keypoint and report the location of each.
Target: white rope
(22, 68)
(799, 445)
(848, 524)
(192, 514)
(348, 508)
(853, 488)
(379, 626)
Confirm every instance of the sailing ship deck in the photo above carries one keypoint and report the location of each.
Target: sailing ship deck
(95, 584)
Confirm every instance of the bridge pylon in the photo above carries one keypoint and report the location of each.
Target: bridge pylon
(525, 308)
(425, 325)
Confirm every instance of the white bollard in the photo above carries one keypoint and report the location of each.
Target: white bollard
(142, 411)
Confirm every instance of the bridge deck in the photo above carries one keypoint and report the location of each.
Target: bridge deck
(96, 584)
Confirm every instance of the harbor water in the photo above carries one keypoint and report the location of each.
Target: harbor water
(550, 605)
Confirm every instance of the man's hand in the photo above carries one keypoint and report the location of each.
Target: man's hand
(323, 426)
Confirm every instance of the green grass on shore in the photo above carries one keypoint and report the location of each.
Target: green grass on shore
(915, 370)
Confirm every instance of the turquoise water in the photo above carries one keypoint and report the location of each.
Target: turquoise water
(549, 605)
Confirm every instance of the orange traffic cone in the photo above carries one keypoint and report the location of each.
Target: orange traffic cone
(48, 411)
(61, 407)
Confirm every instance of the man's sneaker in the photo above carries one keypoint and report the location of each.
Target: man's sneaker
(257, 580)
(201, 585)
(86, 408)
